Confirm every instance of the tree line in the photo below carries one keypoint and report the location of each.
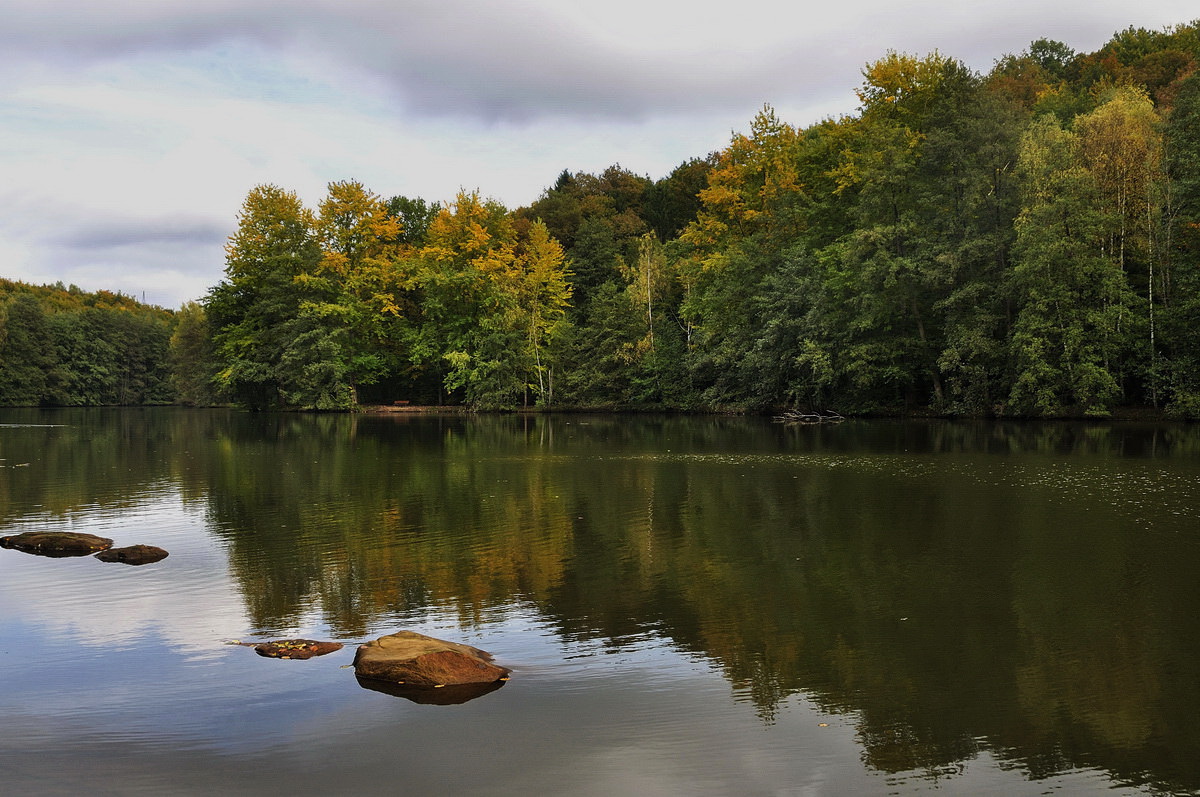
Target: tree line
(62, 346)
(1024, 242)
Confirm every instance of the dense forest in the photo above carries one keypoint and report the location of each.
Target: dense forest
(62, 346)
(1024, 242)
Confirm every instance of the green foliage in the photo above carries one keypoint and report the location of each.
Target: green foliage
(313, 305)
(274, 249)
(1181, 292)
(597, 356)
(1025, 242)
(193, 366)
(415, 216)
(66, 347)
(314, 365)
(1071, 297)
(674, 201)
(493, 303)
(1052, 56)
(25, 357)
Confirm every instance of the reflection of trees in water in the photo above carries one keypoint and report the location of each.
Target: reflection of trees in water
(948, 615)
(83, 458)
(337, 518)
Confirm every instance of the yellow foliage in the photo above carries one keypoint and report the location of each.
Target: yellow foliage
(753, 174)
(900, 79)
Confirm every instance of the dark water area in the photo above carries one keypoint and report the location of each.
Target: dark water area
(689, 605)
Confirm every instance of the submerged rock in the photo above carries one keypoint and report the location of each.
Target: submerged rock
(56, 543)
(295, 648)
(133, 555)
(423, 662)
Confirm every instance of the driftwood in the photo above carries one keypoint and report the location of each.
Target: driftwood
(797, 416)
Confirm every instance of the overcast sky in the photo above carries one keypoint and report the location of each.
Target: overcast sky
(131, 131)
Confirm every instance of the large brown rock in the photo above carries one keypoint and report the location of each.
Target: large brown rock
(420, 661)
(133, 554)
(56, 543)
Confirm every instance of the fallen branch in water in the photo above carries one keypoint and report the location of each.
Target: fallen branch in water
(797, 416)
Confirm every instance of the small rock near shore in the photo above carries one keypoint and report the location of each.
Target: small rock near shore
(295, 648)
(133, 555)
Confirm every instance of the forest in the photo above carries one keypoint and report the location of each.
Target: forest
(60, 346)
(1021, 243)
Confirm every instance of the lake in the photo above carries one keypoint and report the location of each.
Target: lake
(689, 605)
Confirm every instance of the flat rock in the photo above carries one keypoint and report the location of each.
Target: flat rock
(133, 555)
(424, 662)
(295, 648)
(56, 543)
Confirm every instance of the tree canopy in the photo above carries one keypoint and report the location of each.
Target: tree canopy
(1021, 242)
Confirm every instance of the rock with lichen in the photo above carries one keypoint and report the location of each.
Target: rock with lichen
(295, 648)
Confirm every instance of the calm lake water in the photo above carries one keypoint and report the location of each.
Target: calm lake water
(690, 606)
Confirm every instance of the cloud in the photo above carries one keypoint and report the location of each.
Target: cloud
(520, 61)
(164, 260)
(169, 231)
(475, 59)
(128, 174)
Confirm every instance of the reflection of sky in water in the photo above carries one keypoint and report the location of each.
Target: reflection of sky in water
(127, 665)
(579, 717)
(184, 601)
(136, 673)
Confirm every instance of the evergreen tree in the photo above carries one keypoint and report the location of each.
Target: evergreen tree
(193, 366)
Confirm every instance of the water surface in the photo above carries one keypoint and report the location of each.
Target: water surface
(689, 605)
